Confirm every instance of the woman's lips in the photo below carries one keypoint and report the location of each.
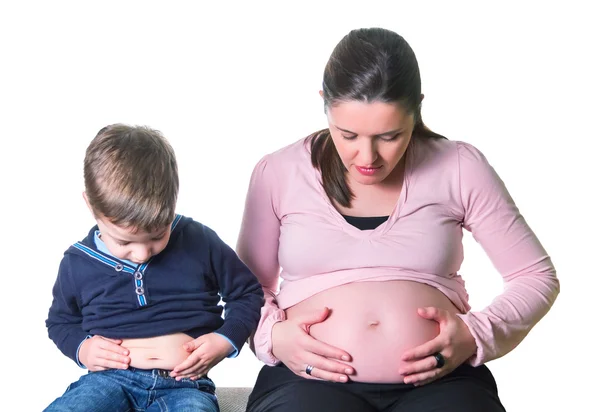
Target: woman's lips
(367, 171)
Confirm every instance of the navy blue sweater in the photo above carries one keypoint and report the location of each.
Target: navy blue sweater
(177, 290)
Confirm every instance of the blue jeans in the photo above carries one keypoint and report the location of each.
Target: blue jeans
(136, 390)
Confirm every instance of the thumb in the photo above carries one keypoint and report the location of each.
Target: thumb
(431, 313)
(193, 345)
(317, 316)
(117, 341)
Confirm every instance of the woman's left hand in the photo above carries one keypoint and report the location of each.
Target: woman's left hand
(455, 343)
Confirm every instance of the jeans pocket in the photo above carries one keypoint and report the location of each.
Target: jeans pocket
(205, 384)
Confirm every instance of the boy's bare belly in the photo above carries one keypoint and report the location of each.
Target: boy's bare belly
(375, 322)
(161, 352)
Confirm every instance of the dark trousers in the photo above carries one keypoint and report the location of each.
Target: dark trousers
(466, 389)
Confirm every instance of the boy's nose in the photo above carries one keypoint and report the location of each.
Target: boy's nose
(142, 255)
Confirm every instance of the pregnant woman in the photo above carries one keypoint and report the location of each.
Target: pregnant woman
(363, 223)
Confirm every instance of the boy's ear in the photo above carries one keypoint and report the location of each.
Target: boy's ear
(321, 93)
(87, 202)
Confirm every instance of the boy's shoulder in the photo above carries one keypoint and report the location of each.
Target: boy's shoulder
(194, 231)
(188, 225)
(78, 248)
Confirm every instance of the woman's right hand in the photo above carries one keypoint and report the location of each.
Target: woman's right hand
(293, 345)
(99, 353)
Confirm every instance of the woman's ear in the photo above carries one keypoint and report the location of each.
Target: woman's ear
(324, 106)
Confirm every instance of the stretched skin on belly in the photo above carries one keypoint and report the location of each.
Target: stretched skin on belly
(375, 322)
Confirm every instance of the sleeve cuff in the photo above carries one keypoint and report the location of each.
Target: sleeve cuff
(479, 358)
(77, 353)
(263, 342)
(235, 351)
(235, 331)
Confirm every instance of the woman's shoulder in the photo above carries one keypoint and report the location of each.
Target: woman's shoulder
(445, 152)
(278, 171)
(288, 157)
(455, 164)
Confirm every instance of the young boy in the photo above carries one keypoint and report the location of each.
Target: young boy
(136, 301)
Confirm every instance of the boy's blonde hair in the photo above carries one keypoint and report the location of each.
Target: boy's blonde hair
(131, 177)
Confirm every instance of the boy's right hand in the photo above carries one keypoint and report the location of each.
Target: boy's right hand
(98, 354)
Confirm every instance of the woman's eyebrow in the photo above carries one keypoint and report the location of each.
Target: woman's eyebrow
(391, 132)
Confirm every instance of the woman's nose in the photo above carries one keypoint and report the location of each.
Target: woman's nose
(367, 153)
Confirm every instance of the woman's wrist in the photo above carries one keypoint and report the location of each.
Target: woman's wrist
(469, 340)
(275, 325)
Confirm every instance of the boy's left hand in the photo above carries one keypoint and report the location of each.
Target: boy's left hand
(206, 351)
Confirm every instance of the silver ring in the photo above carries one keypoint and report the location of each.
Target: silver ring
(309, 369)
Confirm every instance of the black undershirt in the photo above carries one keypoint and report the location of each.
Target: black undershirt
(365, 223)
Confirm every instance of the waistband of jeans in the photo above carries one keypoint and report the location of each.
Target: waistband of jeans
(163, 373)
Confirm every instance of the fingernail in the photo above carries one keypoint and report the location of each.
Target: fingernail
(343, 378)
(346, 358)
(348, 371)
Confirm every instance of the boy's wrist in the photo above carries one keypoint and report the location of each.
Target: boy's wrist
(79, 350)
(231, 349)
(225, 344)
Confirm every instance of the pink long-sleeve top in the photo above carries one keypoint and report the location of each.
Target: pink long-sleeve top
(291, 230)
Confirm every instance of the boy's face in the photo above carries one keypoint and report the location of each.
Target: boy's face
(129, 244)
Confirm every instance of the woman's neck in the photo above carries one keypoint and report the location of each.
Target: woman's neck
(375, 200)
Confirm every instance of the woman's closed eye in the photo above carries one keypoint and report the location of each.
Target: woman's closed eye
(390, 138)
(385, 138)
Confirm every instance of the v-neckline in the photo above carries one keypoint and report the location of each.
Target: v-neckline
(385, 226)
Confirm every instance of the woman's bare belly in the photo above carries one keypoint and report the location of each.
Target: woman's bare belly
(375, 322)
(160, 352)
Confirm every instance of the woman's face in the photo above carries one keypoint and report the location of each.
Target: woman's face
(371, 138)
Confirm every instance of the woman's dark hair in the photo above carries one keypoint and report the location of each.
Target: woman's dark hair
(367, 65)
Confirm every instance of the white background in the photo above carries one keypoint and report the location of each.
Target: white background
(228, 84)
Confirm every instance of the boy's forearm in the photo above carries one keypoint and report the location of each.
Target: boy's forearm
(242, 316)
(67, 338)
